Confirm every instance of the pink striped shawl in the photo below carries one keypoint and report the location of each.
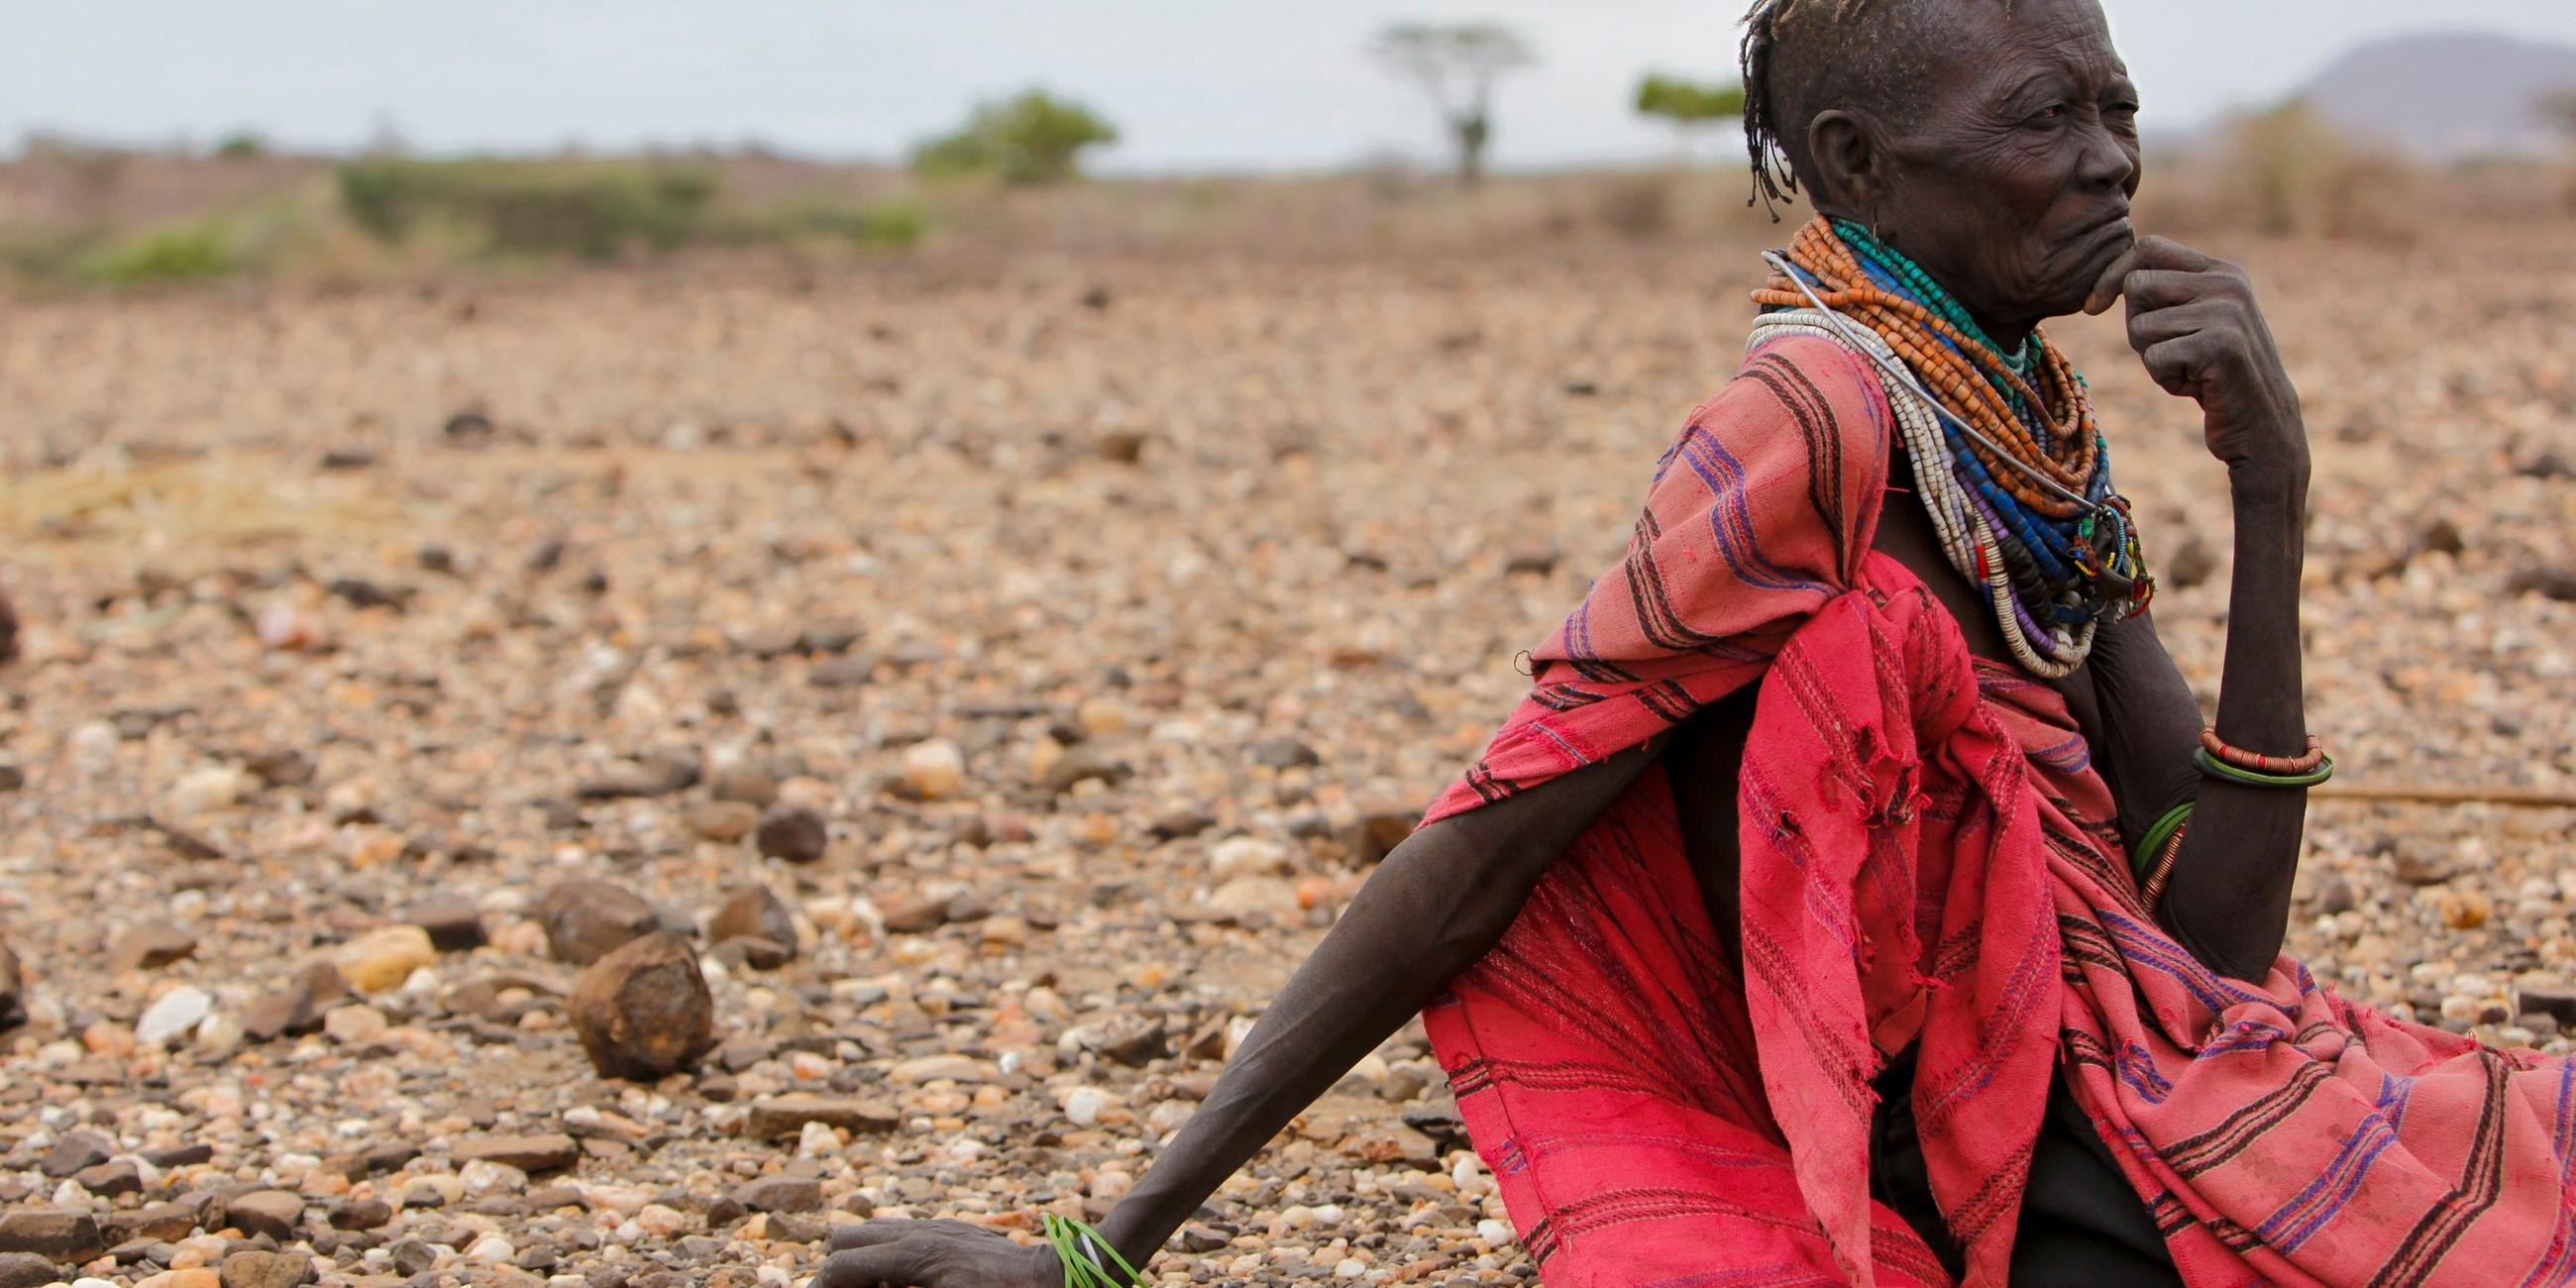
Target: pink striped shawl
(1928, 857)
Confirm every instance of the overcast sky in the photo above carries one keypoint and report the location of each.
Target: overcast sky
(1194, 83)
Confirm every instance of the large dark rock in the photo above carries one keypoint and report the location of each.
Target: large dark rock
(47, 1232)
(644, 1012)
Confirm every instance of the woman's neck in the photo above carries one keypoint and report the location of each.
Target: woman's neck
(2009, 336)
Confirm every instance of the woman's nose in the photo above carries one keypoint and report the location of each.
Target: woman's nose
(2108, 162)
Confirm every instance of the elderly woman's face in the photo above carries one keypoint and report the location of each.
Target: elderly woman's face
(2013, 187)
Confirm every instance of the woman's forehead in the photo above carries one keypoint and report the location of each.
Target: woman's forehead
(2023, 40)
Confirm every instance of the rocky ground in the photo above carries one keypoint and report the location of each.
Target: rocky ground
(987, 685)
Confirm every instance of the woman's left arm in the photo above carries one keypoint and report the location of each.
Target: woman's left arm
(2194, 321)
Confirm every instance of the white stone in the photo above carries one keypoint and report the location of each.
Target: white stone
(1493, 1232)
(817, 1141)
(660, 1221)
(205, 790)
(483, 1176)
(355, 1025)
(492, 1250)
(1247, 856)
(220, 1034)
(1249, 894)
(178, 1011)
(1083, 1105)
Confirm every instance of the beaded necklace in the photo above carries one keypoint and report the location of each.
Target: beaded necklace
(2006, 454)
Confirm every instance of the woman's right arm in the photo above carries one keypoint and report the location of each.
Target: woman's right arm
(1437, 905)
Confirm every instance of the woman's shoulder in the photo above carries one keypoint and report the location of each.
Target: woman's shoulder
(1798, 440)
(1808, 378)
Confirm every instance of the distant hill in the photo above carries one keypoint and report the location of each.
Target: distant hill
(2449, 94)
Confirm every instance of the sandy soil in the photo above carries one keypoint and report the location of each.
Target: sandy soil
(1095, 610)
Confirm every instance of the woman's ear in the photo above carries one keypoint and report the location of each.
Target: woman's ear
(1851, 169)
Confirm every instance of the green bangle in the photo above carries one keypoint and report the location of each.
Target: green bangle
(2216, 768)
(1075, 1243)
(2153, 843)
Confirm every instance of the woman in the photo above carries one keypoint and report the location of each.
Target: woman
(1858, 896)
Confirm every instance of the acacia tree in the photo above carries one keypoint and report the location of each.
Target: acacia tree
(1457, 65)
(1690, 106)
(1034, 138)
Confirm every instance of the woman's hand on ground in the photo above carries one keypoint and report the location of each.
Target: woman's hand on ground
(2193, 318)
(934, 1254)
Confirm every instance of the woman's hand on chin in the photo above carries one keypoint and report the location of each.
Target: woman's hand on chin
(934, 1254)
(2193, 318)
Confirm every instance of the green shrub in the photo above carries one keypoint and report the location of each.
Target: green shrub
(1688, 103)
(241, 145)
(894, 223)
(179, 253)
(1034, 138)
(590, 209)
(897, 223)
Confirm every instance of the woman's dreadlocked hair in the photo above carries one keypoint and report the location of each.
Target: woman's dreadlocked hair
(1773, 181)
(1801, 55)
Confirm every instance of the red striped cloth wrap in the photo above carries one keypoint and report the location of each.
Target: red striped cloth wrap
(1928, 858)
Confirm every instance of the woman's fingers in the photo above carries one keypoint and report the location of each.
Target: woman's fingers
(871, 1233)
(2107, 288)
(2178, 365)
(2151, 257)
(903, 1263)
(932, 1254)
(2155, 327)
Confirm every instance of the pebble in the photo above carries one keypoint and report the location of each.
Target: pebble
(193, 1277)
(552, 1152)
(299, 1006)
(1084, 1105)
(933, 769)
(644, 1011)
(151, 946)
(792, 833)
(723, 821)
(177, 1012)
(486, 1176)
(777, 1116)
(2422, 861)
(275, 1213)
(50, 1232)
(757, 913)
(381, 960)
(255, 1268)
(1243, 856)
(781, 1194)
(452, 922)
(13, 990)
(203, 791)
(586, 920)
(26, 1270)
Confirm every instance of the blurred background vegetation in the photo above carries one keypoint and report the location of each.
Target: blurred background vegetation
(1010, 179)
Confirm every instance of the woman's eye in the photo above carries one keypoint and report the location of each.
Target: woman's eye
(2049, 115)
